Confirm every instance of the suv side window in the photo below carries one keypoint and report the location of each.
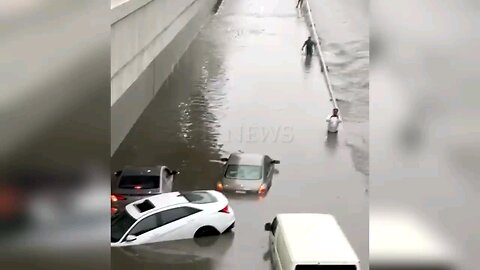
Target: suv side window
(175, 214)
(274, 226)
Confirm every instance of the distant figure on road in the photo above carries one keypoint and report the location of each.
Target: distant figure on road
(309, 43)
(299, 3)
(333, 121)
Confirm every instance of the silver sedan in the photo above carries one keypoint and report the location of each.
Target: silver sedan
(247, 173)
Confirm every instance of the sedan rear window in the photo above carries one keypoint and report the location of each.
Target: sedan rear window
(244, 172)
(139, 182)
(325, 267)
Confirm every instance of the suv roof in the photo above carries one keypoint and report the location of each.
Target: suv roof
(154, 170)
(315, 237)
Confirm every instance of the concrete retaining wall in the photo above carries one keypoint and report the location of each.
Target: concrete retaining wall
(148, 37)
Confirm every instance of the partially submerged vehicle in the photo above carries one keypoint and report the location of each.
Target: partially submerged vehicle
(136, 183)
(172, 216)
(247, 173)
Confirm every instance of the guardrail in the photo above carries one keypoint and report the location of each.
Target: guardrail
(319, 50)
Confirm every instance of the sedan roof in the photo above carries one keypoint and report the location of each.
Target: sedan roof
(246, 159)
(158, 201)
(165, 200)
(154, 170)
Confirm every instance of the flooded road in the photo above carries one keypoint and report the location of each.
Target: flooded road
(245, 85)
(343, 27)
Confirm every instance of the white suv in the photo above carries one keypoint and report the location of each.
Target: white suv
(172, 216)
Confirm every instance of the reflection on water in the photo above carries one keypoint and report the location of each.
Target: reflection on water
(308, 63)
(331, 141)
(345, 37)
(180, 254)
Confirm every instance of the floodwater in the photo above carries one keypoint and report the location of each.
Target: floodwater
(244, 84)
(343, 27)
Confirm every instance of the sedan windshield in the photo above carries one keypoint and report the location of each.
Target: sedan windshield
(120, 225)
(244, 172)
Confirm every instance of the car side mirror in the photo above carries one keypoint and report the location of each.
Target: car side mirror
(224, 159)
(117, 173)
(131, 238)
(275, 161)
(268, 227)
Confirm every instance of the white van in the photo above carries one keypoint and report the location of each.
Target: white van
(302, 241)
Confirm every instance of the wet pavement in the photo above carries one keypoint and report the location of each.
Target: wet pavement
(343, 27)
(245, 85)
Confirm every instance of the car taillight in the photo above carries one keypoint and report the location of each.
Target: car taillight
(116, 198)
(114, 210)
(225, 210)
(263, 189)
(219, 186)
(137, 187)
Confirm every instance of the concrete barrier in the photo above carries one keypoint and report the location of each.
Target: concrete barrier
(148, 37)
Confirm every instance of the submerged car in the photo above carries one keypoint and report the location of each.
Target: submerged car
(135, 183)
(172, 216)
(247, 173)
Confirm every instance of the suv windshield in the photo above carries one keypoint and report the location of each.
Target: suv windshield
(244, 172)
(139, 182)
(120, 225)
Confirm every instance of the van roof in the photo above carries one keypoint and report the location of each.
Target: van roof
(313, 238)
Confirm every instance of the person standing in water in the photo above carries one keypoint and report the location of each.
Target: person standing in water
(309, 44)
(333, 121)
(299, 3)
